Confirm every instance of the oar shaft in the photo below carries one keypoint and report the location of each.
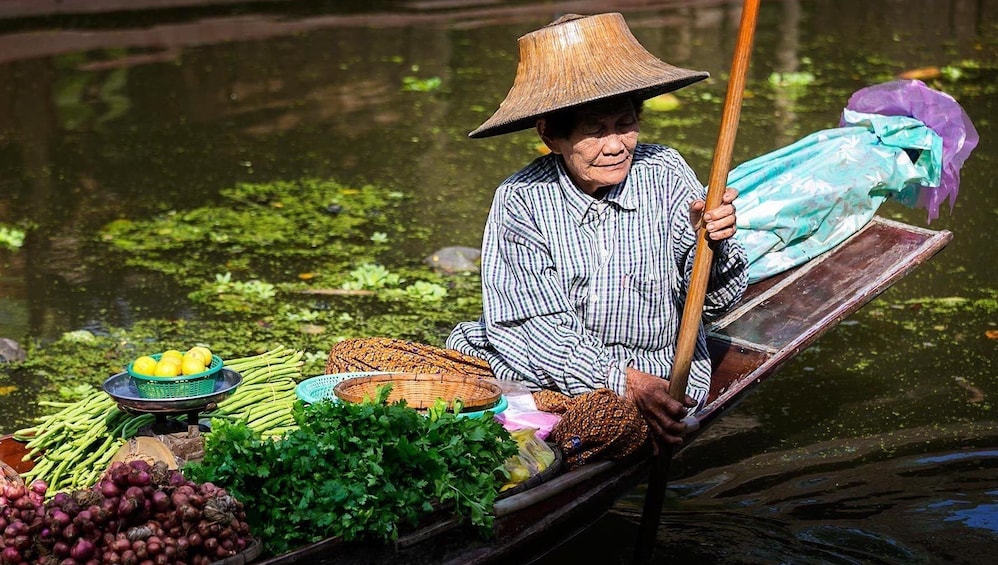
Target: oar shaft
(693, 309)
(704, 255)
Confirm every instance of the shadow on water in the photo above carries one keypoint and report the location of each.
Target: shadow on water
(918, 496)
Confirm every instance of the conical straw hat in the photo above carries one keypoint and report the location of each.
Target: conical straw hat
(579, 59)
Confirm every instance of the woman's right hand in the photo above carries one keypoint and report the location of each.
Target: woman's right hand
(663, 413)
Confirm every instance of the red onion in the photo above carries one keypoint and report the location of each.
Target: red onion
(182, 545)
(134, 492)
(119, 474)
(15, 491)
(22, 542)
(84, 520)
(154, 545)
(10, 554)
(82, 550)
(109, 489)
(60, 518)
(140, 465)
(60, 549)
(127, 507)
(160, 501)
(121, 544)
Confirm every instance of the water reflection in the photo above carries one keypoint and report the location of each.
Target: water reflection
(852, 501)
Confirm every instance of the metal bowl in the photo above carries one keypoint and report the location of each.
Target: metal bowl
(122, 389)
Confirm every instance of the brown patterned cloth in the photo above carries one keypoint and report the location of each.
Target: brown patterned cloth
(553, 401)
(387, 354)
(597, 425)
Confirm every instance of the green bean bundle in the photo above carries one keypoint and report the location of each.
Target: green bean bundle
(266, 397)
(71, 447)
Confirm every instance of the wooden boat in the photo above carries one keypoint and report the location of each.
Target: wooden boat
(775, 321)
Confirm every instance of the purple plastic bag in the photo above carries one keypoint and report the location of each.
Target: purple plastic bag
(940, 112)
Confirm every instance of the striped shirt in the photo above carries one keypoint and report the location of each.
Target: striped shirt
(576, 289)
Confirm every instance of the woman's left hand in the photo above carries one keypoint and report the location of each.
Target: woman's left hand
(720, 222)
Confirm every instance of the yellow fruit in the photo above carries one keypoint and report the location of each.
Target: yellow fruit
(167, 367)
(144, 365)
(192, 365)
(195, 355)
(204, 351)
(172, 353)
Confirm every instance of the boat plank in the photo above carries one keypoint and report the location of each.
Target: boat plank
(781, 311)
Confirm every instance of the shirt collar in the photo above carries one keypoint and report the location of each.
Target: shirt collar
(579, 203)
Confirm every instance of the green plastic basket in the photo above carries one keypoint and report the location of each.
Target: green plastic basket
(314, 389)
(184, 386)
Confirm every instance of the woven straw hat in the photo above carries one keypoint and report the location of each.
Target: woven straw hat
(579, 59)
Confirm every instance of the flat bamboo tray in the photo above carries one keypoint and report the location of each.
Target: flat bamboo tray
(421, 390)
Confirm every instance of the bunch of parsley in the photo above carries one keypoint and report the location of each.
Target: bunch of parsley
(358, 471)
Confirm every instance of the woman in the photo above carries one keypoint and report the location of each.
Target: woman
(587, 251)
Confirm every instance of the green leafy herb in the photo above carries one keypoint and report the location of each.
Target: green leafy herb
(358, 471)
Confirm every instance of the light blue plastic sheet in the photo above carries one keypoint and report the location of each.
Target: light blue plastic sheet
(804, 199)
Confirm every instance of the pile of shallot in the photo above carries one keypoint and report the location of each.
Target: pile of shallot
(137, 514)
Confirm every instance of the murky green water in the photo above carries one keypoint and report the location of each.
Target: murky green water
(875, 445)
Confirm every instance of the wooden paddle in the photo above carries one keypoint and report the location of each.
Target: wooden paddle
(693, 309)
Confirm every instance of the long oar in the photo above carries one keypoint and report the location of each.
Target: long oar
(693, 309)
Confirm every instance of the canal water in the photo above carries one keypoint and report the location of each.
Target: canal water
(876, 445)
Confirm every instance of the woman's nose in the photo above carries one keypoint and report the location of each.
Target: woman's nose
(613, 144)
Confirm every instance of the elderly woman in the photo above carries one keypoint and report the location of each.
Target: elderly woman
(588, 250)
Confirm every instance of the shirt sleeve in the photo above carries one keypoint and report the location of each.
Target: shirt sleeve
(528, 317)
(729, 268)
(728, 279)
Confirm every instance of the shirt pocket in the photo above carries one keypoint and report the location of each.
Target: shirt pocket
(649, 310)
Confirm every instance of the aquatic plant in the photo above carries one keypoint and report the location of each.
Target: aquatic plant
(11, 238)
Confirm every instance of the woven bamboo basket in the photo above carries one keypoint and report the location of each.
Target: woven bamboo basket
(421, 390)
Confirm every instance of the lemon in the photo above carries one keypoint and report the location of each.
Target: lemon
(193, 355)
(172, 353)
(192, 365)
(144, 365)
(167, 367)
(203, 351)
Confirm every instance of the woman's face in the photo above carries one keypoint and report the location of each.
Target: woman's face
(599, 150)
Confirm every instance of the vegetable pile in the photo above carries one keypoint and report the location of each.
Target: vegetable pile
(357, 471)
(136, 514)
(73, 446)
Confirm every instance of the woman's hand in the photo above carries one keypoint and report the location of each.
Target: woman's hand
(663, 413)
(720, 221)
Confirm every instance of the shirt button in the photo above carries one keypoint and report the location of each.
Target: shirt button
(593, 297)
